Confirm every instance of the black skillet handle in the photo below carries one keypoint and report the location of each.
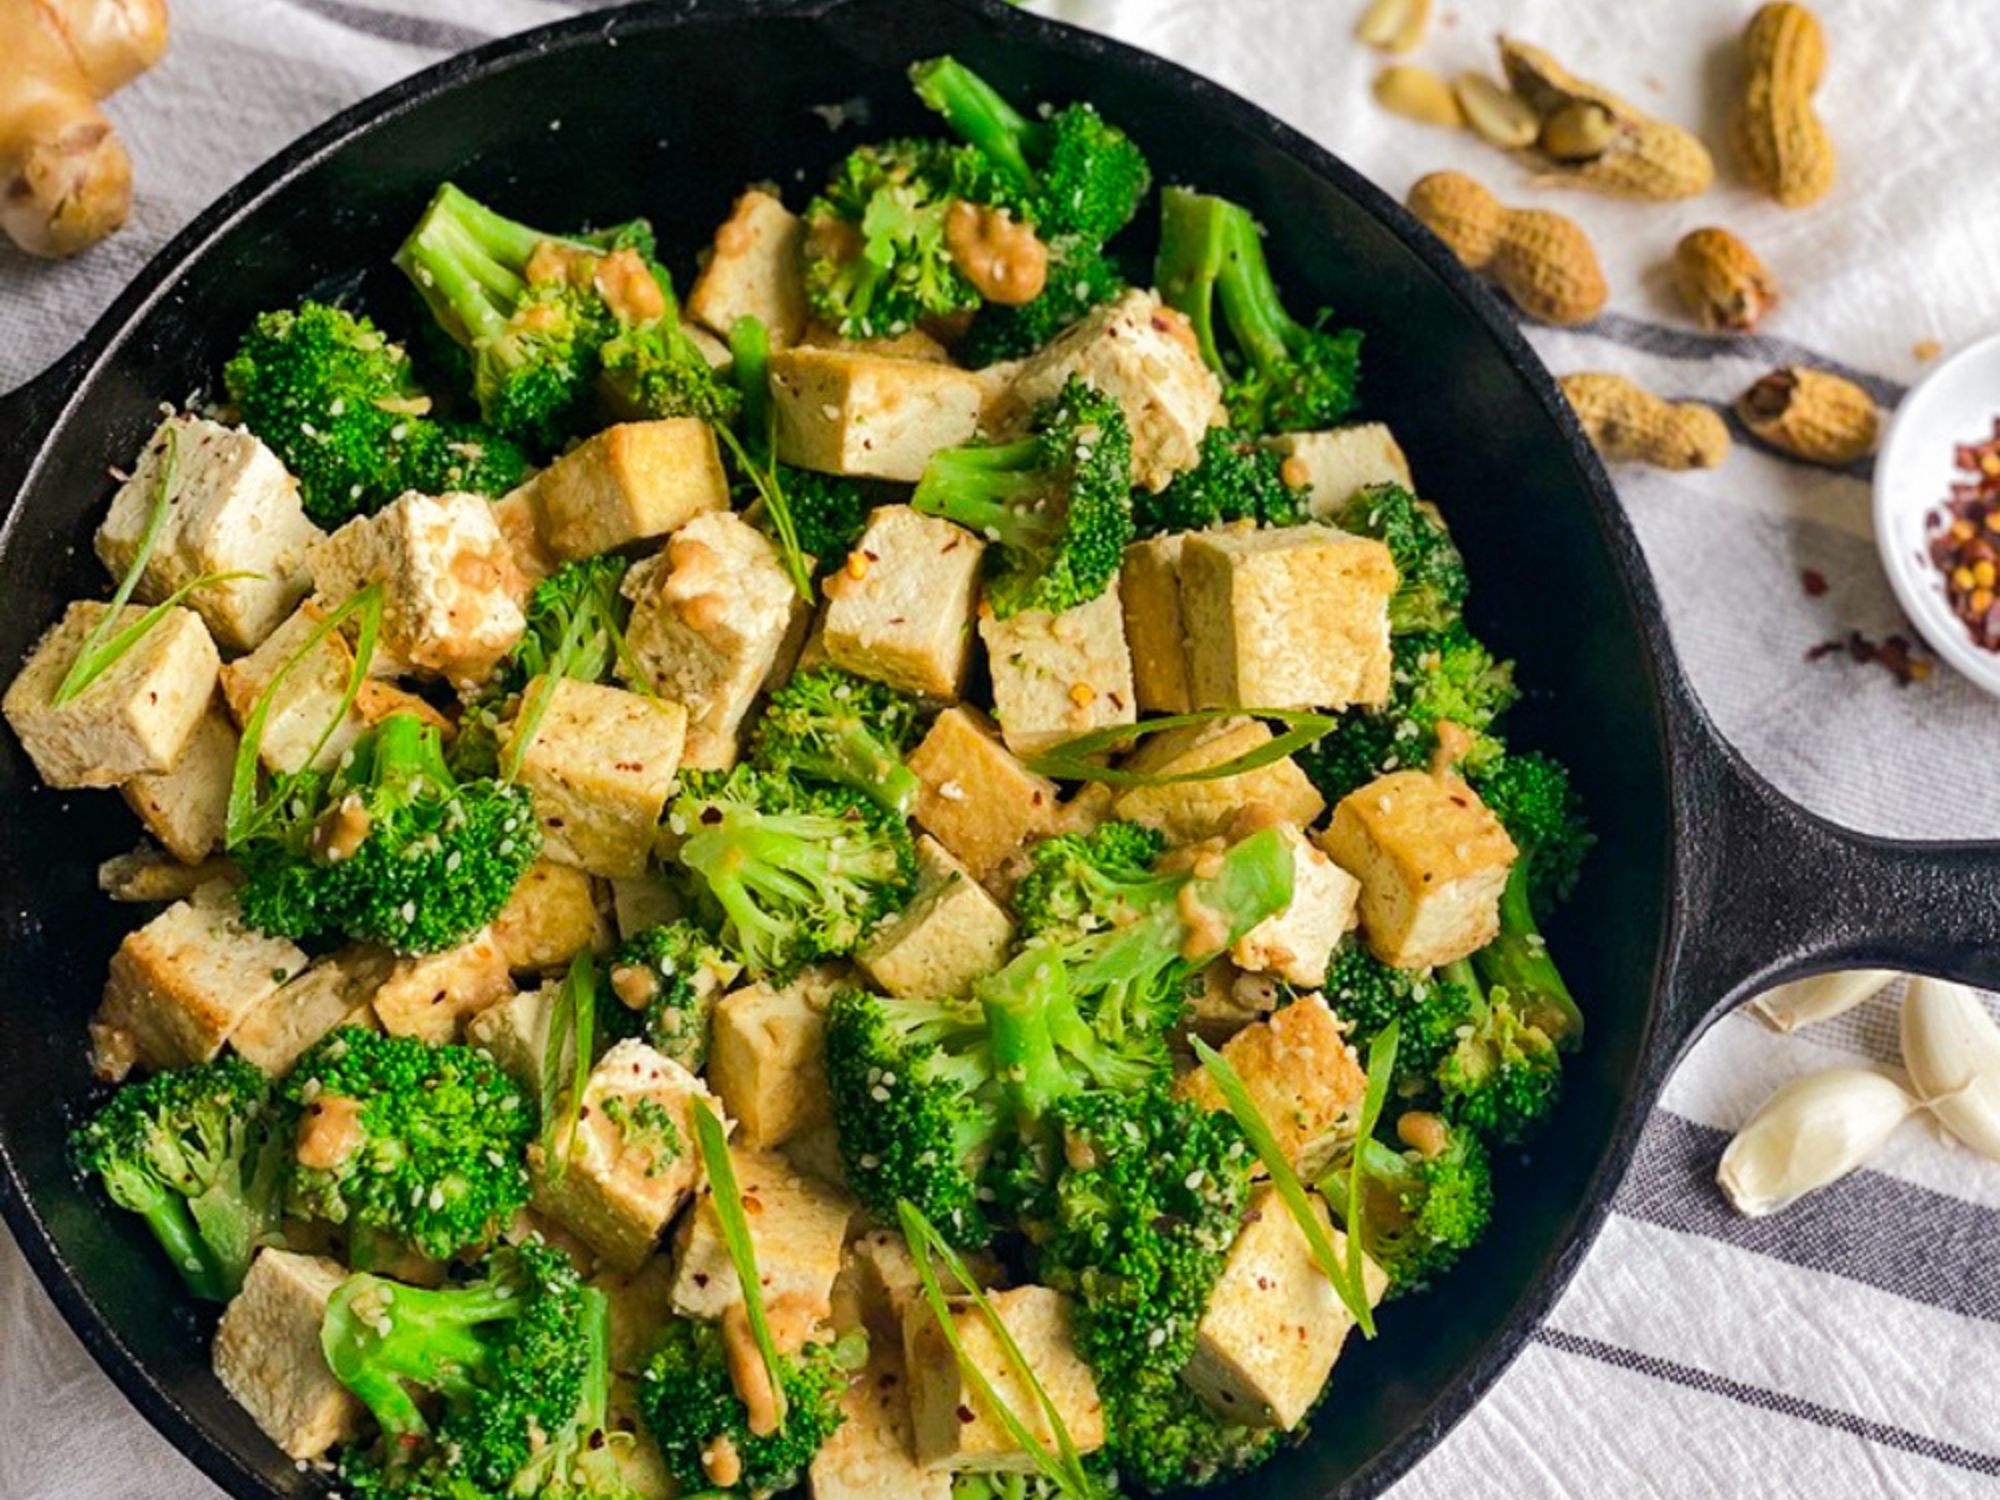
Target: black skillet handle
(27, 416)
(1767, 891)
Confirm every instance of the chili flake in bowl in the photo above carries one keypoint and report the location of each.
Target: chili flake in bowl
(1965, 539)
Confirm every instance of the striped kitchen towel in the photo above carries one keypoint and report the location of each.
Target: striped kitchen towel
(1849, 1348)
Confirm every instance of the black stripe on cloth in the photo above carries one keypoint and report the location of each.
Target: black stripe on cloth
(1871, 1228)
(393, 26)
(1779, 1402)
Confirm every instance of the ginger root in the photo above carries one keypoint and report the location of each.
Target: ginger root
(65, 180)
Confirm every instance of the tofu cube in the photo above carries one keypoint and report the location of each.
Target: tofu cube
(1432, 861)
(1038, 1319)
(334, 991)
(1332, 466)
(185, 808)
(518, 514)
(900, 609)
(630, 483)
(1296, 617)
(181, 984)
(883, 1274)
(1188, 811)
(1296, 943)
(641, 902)
(268, 1357)
(753, 271)
(637, 1303)
(430, 995)
(1149, 591)
(1274, 1324)
(845, 412)
(1143, 355)
(234, 510)
(599, 767)
(950, 934)
(136, 718)
(1056, 676)
(714, 617)
(798, 1227)
(766, 1051)
(551, 917)
(631, 1162)
(1300, 1072)
(978, 800)
(871, 1455)
(305, 701)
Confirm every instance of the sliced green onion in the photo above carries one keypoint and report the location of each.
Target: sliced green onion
(1071, 760)
(246, 815)
(736, 1235)
(572, 1019)
(750, 350)
(1381, 1064)
(92, 662)
(927, 1247)
(1258, 1130)
(542, 693)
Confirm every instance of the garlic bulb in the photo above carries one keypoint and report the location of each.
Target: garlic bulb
(1819, 998)
(1813, 1131)
(1952, 1050)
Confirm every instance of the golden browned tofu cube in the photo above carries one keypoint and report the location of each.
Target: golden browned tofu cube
(715, 617)
(136, 717)
(305, 713)
(1143, 355)
(599, 767)
(185, 807)
(1149, 590)
(334, 991)
(798, 1226)
(1296, 617)
(950, 934)
(844, 412)
(430, 995)
(268, 1357)
(518, 514)
(1300, 1072)
(551, 917)
(978, 800)
(1274, 1324)
(1188, 811)
(180, 985)
(1432, 861)
(765, 1058)
(632, 1161)
(871, 1455)
(899, 609)
(1056, 676)
(1296, 943)
(941, 1397)
(753, 271)
(1332, 466)
(630, 483)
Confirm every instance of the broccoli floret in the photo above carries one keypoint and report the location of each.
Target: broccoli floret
(1235, 479)
(513, 1359)
(196, 1154)
(1431, 583)
(1438, 677)
(666, 978)
(1532, 796)
(876, 262)
(337, 402)
(1070, 172)
(1057, 505)
(1503, 1075)
(1083, 882)
(794, 872)
(654, 371)
(1280, 375)
(390, 849)
(829, 725)
(689, 1404)
(1422, 1207)
(425, 1146)
(1166, 1437)
(829, 511)
(1368, 994)
(535, 310)
(1080, 278)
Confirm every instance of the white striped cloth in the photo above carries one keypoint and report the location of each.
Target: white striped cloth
(1849, 1348)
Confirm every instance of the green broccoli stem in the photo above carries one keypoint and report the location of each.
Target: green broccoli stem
(854, 757)
(594, 1407)
(468, 263)
(990, 491)
(376, 1334)
(1250, 302)
(173, 1225)
(974, 109)
(750, 367)
(1195, 238)
(1519, 959)
(1026, 1003)
(408, 758)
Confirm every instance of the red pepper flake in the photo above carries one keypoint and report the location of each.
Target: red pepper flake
(1964, 540)
(1814, 583)
(1898, 655)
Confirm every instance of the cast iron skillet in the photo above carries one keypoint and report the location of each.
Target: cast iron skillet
(1706, 884)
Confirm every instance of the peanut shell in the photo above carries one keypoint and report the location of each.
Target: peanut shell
(1783, 146)
(1812, 415)
(1722, 281)
(1627, 423)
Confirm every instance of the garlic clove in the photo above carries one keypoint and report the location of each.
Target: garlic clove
(1813, 1131)
(1820, 998)
(1952, 1051)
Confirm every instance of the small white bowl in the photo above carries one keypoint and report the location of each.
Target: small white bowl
(1955, 403)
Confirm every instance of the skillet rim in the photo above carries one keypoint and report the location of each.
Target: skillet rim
(1680, 719)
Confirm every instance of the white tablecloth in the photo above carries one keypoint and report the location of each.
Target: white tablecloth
(1848, 1349)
